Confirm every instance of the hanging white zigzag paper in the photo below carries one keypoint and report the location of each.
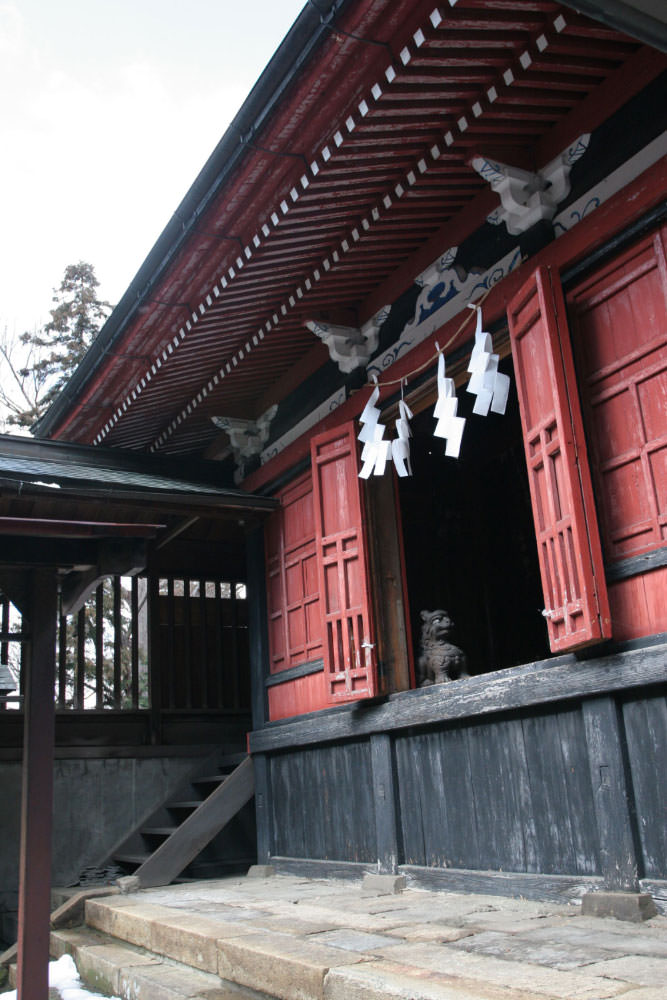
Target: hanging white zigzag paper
(449, 426)
(376, 450)
(400, 448)
(490, 385)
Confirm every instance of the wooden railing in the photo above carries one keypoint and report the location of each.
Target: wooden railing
(164, 642)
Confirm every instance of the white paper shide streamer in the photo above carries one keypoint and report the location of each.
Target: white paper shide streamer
(449, 426)
(376, 450)
(400, 447)
(489, 385)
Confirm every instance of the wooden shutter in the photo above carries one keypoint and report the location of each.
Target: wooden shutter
(348, 647)
(292, 581)
(575, 593)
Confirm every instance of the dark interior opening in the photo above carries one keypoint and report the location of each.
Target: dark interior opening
(470, 540)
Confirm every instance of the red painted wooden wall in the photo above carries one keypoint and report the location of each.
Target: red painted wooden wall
(317, 583)
(619, 322)
(293, 597)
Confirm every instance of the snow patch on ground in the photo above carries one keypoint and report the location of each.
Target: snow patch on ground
(64, 978)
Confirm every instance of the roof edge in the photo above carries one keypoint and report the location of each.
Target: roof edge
(629, 17)
(310, 28)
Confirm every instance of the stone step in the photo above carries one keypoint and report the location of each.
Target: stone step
(123, 970)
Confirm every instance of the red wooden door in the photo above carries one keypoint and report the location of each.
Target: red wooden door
(295, 625)
(575, 594)
(349, 650)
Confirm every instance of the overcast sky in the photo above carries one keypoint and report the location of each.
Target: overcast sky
(108, 110)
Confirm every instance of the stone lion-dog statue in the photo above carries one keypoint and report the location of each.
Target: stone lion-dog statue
(440, 660)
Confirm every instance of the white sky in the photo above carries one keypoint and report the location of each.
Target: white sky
(108, 110)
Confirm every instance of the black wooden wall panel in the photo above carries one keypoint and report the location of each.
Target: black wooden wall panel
(646, 734)
(323, 803)
(561, 795)
(509, 794)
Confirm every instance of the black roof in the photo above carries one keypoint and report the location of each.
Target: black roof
(57, 468)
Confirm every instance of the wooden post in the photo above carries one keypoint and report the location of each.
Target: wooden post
(384, 791)
(263, 808)
(257, 626)
(618, 852)
(37, 792)
(259, 660)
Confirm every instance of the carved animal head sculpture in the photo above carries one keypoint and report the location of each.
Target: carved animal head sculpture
(440, 660)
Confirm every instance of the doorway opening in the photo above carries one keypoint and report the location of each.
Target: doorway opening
(469, 538)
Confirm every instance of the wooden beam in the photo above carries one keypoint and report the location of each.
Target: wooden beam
(115, 559)
(14, 585)
(37, 793)
(49, 528)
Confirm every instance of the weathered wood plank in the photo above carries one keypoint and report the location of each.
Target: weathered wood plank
(323, 803)
(555, 888)
(531, 685)
(312, 868)
(504, 825)
(611, 795)
(579, 793)
(646, 730)
(384, 790)
(263, 808)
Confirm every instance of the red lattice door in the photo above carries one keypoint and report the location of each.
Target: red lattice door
(570, 556)
(349, 647)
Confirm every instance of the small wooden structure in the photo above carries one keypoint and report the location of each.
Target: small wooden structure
(70, 518)
(397, 161)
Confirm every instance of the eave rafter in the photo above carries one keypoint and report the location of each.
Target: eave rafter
(394, 169)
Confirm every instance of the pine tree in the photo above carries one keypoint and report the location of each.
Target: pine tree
(54, 352)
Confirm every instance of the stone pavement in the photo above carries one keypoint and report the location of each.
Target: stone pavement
(302, 939)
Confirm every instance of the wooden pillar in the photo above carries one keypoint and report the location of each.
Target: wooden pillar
(154, 658)
(619, 857)
(259, 659)
(263, 808)
(37, 791)
(384, 791)
(257, 625)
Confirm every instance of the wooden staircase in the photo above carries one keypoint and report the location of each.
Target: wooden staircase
(159, 851)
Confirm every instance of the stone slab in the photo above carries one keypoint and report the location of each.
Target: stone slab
(192, 939)
(611, 936)
(100, 965)
(167, 982)
(632, 906)
(438, 933)
(290, 925)
(383, 885)
(280, 965)
(523, 975)
(555, 952)
(369, 922)
(261, 871)
(355, 940)
(129, 923)
(641, 970)
(393, 981)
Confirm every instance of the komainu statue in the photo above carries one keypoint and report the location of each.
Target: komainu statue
(440, 660)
